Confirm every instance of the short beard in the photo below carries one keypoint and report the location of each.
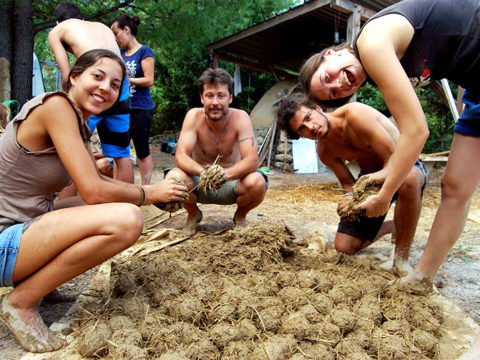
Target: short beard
(216, 118)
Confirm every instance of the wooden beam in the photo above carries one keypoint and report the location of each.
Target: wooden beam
(254, 65)
(288, 15)
(347, 6)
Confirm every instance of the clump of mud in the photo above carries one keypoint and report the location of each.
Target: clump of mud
(251, 293)
(360, 192)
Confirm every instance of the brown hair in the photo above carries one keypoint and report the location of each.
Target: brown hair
(287, 107)
(4, 115)
(126, 20)
(65, 11)
(311, 66)
(214, 77)
(89, 59)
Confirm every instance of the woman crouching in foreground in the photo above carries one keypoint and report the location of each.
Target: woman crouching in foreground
(44, 244)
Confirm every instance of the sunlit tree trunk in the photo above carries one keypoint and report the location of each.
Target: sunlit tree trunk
(6, 15)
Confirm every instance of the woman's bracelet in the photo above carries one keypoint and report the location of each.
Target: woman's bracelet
(142, 196)
(348, 195)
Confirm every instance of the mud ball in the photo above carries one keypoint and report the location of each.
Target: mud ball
(93, 340)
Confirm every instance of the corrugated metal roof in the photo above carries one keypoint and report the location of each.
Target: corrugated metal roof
(282, 43)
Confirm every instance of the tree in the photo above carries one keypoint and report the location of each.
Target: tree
(20, 20)
(179, 31)
(16, 28)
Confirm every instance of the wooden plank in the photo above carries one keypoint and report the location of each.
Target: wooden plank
(279, 19)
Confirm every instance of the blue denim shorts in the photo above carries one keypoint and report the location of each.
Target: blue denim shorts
(9, 245)
(468, 123)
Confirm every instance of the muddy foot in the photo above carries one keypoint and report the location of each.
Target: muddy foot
(28, 328)
(192, 222)
(240, 221)
(398, 267)
(417, 284)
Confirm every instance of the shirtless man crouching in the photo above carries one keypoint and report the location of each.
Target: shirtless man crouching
(218, 131)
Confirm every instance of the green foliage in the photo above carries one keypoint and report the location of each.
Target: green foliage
(370, 95)
(440, 121)
(178, 32)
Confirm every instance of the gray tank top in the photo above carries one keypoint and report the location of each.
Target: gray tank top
(29, 180)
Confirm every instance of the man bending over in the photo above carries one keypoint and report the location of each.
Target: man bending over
(74, 35)
(357, 132)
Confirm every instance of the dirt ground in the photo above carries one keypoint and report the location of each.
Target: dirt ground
(272, 290)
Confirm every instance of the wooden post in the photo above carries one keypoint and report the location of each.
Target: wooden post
(451, 101)
(272, 141)
(459, 100)
(353, 24)
(285, 152)
(353, 28)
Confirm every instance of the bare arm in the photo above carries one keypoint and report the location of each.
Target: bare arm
(59, 122)
(185, 145)
(148, 66)
(380, 45)
(338, 167)
(60, 53)
(248, 149)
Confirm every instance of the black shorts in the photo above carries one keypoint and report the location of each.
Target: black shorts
(367, 228)
(140, 123)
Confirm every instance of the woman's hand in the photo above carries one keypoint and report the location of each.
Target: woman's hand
(377, 177)
(168, 190)
(375, 205)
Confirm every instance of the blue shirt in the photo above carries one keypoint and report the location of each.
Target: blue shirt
(139, 95)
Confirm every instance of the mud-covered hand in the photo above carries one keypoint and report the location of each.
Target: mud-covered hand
(374, 205)
(169, 190)
(170, 207)
(212, 177)
(345, 205)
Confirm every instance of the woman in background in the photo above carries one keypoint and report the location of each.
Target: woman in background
(139, 60)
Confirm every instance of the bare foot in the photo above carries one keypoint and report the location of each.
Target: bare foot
(416, 283)
(401, 267)
(28, 328)
(192, 221)
(396, 266)
(240, 220)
